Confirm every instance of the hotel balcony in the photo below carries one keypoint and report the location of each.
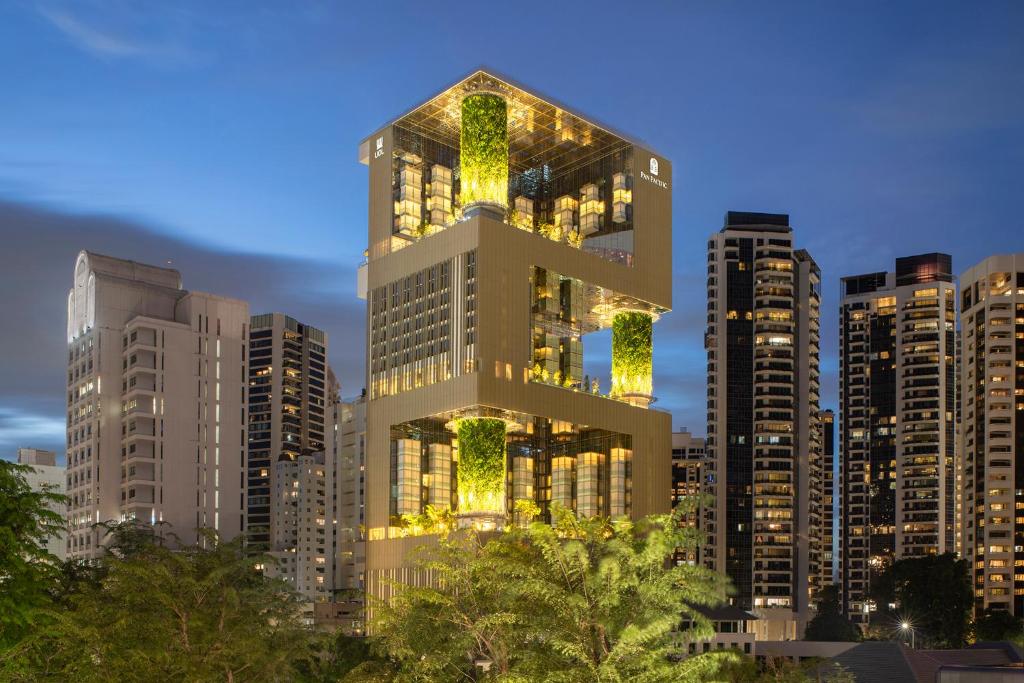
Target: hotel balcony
(139, 473)
(138, 448)
(136, 493)
(141, 358)
(138, 426)
(138, 337)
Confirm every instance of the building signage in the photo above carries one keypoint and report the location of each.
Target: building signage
(652, 177)
(379, 152)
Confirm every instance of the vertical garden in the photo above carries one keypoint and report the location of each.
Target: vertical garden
(632, 353)
(483, 150)
(481, 471)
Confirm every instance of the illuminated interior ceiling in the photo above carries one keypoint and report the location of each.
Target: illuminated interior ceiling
(540, 133)
(600, 305)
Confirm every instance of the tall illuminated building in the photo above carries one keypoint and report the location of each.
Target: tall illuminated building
(992, 430)
(897, 433)
(288, 391)
(156, 403)
(763, 437)
(503, 229)
(826, 502)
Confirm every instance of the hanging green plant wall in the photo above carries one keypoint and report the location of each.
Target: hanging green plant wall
(483, 150)
(481, 470)
(632, 352)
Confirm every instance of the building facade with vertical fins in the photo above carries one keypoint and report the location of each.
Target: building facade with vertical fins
(156, 398)
(897, 364)
(763, 437)
(503, 229)
(992, 430)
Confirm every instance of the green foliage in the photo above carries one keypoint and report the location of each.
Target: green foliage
(998, 625)
(550, 230)
(783, 670)
(433, 520)
(27, 568)
(632, 353)
(580, 600)
(483, 150)
(575, 238)
(340, 658)
(829, 624)
(913, 585)
(481, 470)
(202, 613)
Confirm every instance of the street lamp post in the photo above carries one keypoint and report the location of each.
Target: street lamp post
(906, 626)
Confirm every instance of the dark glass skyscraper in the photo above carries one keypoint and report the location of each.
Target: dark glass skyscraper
(287, 404)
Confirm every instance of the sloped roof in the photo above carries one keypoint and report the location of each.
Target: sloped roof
(890, 662)
(877, 661)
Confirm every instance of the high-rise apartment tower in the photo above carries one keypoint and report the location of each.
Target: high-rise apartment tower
(827, 503)
(897, 428)
(287, 409)
(992, 430)
(763, 438)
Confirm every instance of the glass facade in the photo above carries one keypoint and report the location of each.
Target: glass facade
(548, 171)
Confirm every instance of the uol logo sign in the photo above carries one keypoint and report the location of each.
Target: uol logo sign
(380, 148)
(653, 176)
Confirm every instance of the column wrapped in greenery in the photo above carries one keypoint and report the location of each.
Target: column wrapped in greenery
(483, 150)
(481, 471)
(632, 351)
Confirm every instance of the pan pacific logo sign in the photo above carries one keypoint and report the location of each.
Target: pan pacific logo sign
(379, 152)
(652, 177)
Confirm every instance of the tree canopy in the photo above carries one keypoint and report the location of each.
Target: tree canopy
(580, 600)
(998, 625)
(201, 613)
(27, 568)
(914, 584)
(829, 623)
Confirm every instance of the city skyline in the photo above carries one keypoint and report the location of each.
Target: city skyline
(918, 159)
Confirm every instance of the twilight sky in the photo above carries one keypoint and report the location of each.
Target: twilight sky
(223, 137)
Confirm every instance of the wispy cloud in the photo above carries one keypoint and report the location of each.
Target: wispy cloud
(20, 429)
(136, 42)
(89, 38)
(33, 348)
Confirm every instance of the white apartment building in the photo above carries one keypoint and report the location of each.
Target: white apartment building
(156, 396)
(303, 513)
(46, 475)
(992, 430)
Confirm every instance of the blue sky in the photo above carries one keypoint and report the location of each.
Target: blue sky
(224, 136)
